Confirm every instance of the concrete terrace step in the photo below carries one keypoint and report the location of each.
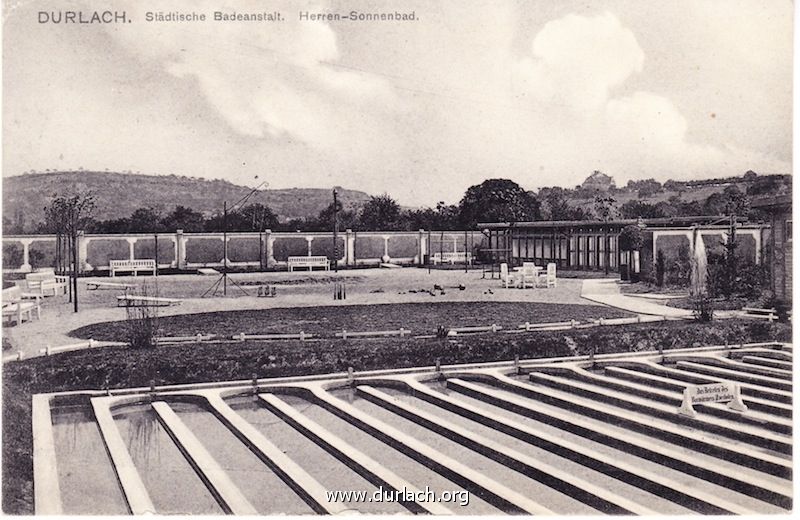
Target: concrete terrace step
(737, 478)
(488, 489)
(577, 488)
(365, 466)
(720, 448)
(767, 362)
(745, 368)
(652, 382)
(136, 494)
(661, 484)
(735, 375)
(669, 414)
(308, 488)
(673, 399)
(686, 374)
(213, 476)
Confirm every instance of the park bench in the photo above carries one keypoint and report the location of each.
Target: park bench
(133, 266)
(129, 300)
(308, 261)
(92, 285)
(45, 282)
(452, 258)
(20, 305)
(767, 314)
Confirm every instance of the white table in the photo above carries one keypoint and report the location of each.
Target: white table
(520, 272)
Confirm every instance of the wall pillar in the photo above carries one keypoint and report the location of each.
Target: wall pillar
(349, 247)
(131, 245)
(83, 253)
(180, 249)
(26, 265)
(309, 240)
(265, 252)
(385, 257)
(421, 249)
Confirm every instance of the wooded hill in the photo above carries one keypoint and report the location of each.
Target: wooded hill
(119, 194)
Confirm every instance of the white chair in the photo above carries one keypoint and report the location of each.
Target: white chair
(506, 277)
(548, 278)
(528, 275)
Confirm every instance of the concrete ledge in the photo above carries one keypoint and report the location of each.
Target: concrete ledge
(311, 491)
(571, 485)
(686, 374)
(611, 466)
(726, 450)
(744, 367)
(47, 493)
(734, 375)
(213, 476)
(364, 465)
(651, 381)
(768, 362)
(632, 396)
(136, 494)
(488, 489)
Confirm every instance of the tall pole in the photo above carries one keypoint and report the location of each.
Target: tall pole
(75, 270)
(466, 264)
(225, 248)
(336, 231)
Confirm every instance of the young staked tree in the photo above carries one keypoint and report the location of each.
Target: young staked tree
(71, 214)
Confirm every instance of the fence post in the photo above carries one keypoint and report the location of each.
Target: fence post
(302, 336)
(350, 376)
(344, 334)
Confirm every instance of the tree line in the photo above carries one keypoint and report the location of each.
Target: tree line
(494, 200)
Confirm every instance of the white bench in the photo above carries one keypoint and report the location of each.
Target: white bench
(451, 258)
(17, 305)
(46, 282)
(133, 266)
(308, 261)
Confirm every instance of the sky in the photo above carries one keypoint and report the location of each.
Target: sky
(537, 91)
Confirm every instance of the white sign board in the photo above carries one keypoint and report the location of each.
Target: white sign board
(723, 392)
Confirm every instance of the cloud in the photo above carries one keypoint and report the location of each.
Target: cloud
(264, 79)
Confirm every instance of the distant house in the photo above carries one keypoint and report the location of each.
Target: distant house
(598, 181)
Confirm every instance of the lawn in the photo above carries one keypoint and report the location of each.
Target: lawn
(120, 367)
(420, 318)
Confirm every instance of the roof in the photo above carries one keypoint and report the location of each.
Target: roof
(649, 222)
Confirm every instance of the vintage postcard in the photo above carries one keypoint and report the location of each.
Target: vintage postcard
(294, 257)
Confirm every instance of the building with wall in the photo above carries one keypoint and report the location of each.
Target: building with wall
(592, 245)
(780, 243)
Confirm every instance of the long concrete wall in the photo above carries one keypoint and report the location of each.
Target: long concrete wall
(264, 250)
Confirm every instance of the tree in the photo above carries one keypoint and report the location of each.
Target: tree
(184, 218)
(556, 205)
(380, 213)
(498, 200)
(638, 209)
(348, 219)
(69, 215)
(145, 220)
(605, 208)
(259, 217)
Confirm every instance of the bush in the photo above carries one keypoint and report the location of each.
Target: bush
(661, 267)
(141, 323)
(679, 271)
(702, 307)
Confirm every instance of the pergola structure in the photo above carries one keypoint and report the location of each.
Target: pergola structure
(586, 244)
